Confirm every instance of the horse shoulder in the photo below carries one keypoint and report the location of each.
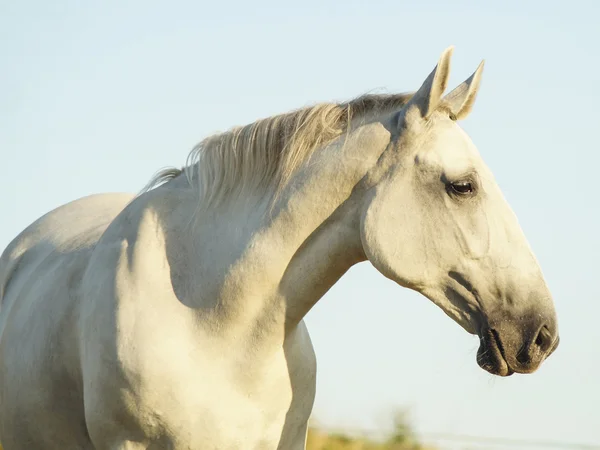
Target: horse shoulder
(128, 282)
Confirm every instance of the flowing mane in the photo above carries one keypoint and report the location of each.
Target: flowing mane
(267, 152)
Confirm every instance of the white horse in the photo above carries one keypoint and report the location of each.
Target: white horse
(174, 319)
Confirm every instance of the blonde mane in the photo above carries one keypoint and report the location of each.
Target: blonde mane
(269, 151)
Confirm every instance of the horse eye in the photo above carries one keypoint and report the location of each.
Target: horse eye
(462, 187)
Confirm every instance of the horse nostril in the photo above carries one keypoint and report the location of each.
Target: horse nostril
(544, 339)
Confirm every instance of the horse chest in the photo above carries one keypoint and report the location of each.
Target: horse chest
(209, 395)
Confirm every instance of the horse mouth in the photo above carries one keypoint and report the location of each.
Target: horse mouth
(491, 356)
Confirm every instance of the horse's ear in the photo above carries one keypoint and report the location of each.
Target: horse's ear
(462, 98)
(428, 97)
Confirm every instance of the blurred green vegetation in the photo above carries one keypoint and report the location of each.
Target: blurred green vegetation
(402, 437)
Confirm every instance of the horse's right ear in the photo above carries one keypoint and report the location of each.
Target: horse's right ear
(428, 97)
(461, 99)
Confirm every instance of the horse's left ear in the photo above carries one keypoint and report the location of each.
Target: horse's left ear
(462, 98)
(428, 97)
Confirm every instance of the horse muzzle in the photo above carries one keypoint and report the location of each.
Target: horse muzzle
(510, 346)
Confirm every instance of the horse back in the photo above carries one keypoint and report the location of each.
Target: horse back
(72, 227)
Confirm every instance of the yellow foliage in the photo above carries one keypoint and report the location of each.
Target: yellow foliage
(318, 440)
(401, 437)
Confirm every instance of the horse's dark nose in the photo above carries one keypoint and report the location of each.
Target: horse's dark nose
(538, 348)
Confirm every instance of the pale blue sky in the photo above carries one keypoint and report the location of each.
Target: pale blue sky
(97, 97)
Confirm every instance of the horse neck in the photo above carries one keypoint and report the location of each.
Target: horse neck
(283, 262)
